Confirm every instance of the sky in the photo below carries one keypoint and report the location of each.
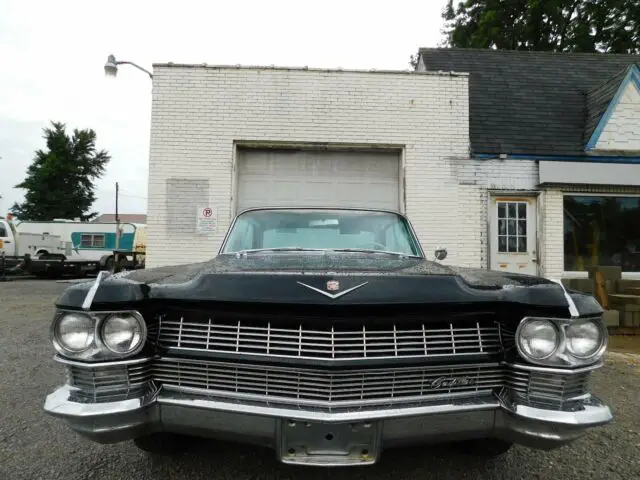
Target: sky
(53, 56)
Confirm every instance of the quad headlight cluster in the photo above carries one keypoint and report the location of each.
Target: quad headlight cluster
(562, 342)
(98, 335)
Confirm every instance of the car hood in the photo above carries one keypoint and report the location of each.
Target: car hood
(301, 277)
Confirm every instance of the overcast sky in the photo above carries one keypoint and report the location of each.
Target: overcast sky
(53, 53)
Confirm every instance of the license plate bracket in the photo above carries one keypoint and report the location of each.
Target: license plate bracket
(328, 444)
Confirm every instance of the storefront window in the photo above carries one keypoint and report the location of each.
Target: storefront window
(601, 230)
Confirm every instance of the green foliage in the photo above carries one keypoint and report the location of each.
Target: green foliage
(59, 181)
(610, 26)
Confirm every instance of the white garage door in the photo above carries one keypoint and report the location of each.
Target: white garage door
(318, 178)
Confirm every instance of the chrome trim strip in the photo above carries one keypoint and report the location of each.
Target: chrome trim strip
(329, 405)
(88, 300)
(305, 361)
(58, 404)
(330, 295)
(97, 313)
(554, 370)
(461, 366)
(105, 364)
(593, 412)
(573, 310)
(296, 414)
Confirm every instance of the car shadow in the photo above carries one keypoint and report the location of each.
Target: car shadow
(231, 460)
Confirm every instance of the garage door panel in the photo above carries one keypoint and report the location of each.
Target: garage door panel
(317, 178)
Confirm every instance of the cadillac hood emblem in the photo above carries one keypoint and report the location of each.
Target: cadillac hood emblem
(332, 286)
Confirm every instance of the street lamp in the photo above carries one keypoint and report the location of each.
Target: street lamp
(111, 67)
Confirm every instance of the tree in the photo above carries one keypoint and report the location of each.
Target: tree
(609, 26)
(59, 181)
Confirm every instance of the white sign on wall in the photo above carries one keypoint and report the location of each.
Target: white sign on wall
(206, 220)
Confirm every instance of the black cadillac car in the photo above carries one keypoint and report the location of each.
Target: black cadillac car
(327, 335)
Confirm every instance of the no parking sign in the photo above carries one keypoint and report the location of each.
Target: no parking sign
(206, 219)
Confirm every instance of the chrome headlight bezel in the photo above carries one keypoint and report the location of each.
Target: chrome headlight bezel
(604, 337)
(56, 336)
(562, 355)
(521, 328)
(97, 350)
(140, 324)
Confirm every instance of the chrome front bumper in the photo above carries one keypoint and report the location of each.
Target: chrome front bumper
(344, 438)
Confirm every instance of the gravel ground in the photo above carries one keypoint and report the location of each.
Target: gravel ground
(35, 446)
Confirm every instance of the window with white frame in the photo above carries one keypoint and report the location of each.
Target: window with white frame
(601, 230)
(512, 227)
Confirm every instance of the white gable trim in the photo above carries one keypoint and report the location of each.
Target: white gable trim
(421, 66)
(631, 80)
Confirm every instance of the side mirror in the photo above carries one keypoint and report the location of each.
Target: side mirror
(440, 253)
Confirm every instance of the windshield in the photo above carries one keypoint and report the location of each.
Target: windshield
(321, 229)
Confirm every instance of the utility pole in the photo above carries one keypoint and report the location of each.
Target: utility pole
(117, 218)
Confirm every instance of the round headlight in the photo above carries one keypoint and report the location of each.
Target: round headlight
(123, 333)
(584, 339)
(538, 339)
(75, 332)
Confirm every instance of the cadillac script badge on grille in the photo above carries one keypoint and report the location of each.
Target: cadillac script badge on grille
(449, 382)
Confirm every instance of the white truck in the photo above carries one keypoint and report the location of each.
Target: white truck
(40, 254)
(115, 246)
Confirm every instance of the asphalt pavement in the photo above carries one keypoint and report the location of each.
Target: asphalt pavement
(35, 446)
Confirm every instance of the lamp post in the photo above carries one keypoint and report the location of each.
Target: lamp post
(111, 70)
(111, 67)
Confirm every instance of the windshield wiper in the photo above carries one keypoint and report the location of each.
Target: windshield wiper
(365, 250)
(279, 249)
(326, 250)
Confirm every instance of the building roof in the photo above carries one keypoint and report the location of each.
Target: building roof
(206, 66)
(124, 218)
(598, 99)
(533, 103)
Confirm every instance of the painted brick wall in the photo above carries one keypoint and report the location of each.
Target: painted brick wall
(198, 113)
(622, 131)
(552, 240)
(476, 178)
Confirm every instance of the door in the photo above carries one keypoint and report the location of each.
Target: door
(513, 235)
(316, 178)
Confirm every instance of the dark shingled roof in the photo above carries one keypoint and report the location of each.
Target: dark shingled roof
(536, 103)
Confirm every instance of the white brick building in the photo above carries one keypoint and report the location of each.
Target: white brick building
(233, 138)
(561, 134)
(229, 138)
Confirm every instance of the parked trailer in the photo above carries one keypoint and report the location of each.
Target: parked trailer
(91, 240)
(46, 267)
(39, 254)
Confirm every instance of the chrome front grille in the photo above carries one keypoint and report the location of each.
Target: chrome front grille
(109, 383)
(547, 390)
(353, 342)
(327, 388)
